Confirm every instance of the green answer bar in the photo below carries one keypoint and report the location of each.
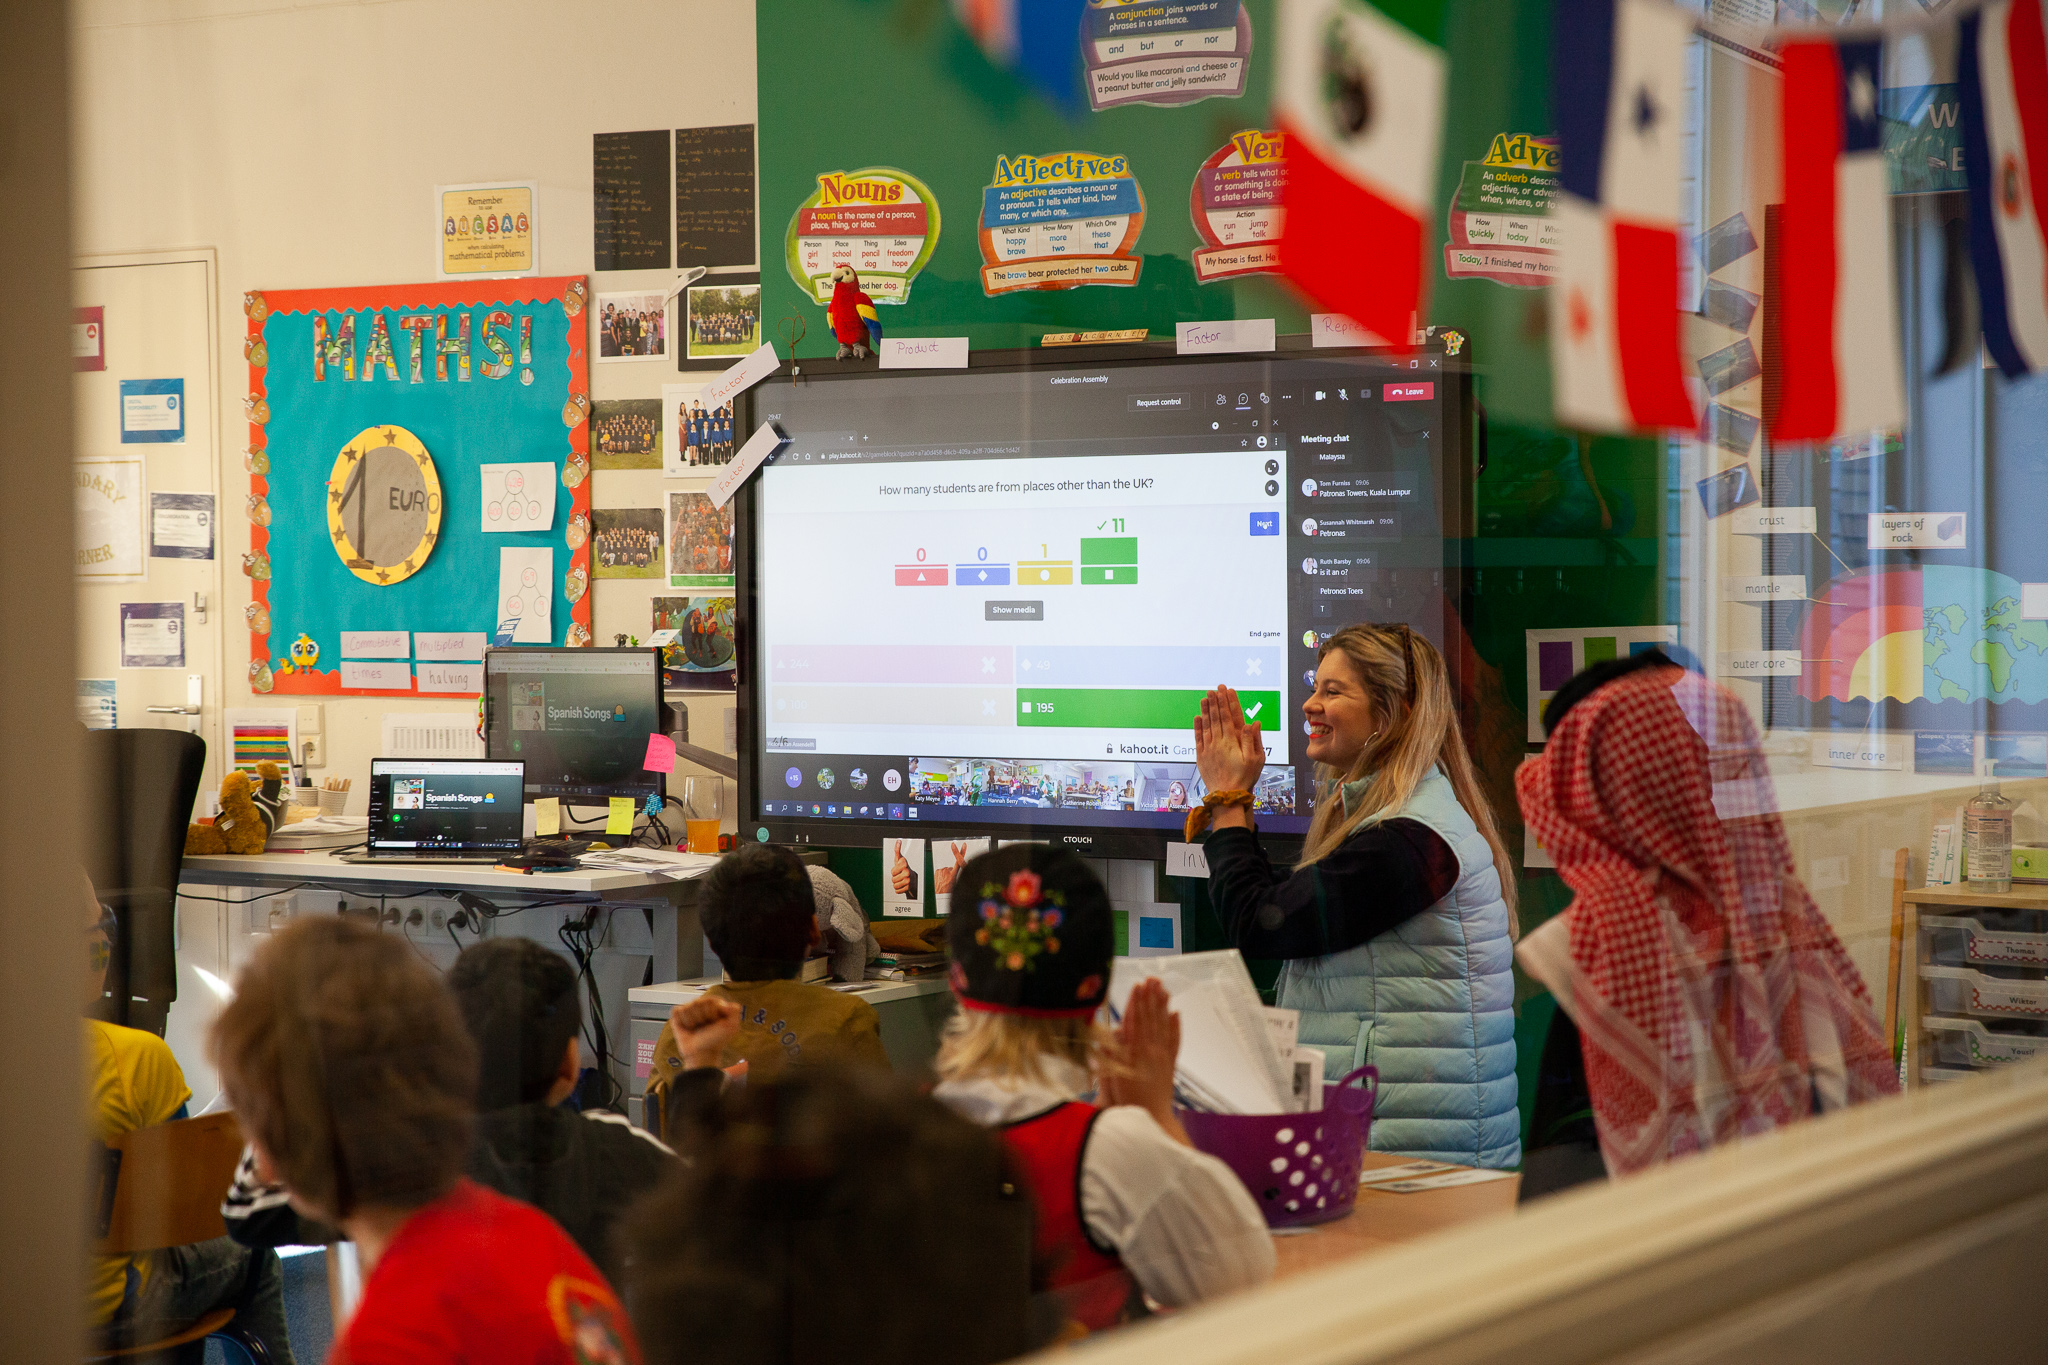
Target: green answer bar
(1109, 549)
(1112, 574)
(1131, 708)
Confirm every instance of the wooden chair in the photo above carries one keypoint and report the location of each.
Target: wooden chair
(161, 1187)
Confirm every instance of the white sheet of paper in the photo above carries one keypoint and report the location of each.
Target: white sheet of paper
(743, 376)
(663, 637)
(429, 734)
(518, 497)
(394, 676)
(766, 440)
(1186, 860)
(1759, 520)
(526, 592)
(152, 635)
(463, 678)
(376, 644)
(1407, 1170)
(1228, 335)
(924, 353)
(1335, 329)
(448, 644)
(184, 528)
(1472, 1176)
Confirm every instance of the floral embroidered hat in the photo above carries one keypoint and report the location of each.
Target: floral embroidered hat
(1030, 933)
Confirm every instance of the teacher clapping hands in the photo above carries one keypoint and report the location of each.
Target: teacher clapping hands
(1397, 924)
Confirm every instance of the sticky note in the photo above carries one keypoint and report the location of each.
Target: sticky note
(661, 754)
(653, 806)
(621, 821)
(547, 815)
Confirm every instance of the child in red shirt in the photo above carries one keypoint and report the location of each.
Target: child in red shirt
(354, 1078)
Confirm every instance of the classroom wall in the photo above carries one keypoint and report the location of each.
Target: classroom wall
(304, 142)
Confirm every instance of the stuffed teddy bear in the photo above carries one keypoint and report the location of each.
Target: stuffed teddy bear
(842, 925)
(240, 826)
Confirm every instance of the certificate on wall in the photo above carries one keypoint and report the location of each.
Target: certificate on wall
(109, 518)
(181, 526)
(152, 635)
(489, 229)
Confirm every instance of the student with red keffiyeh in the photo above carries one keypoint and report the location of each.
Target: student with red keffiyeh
(1398, 923)
(1712, 999)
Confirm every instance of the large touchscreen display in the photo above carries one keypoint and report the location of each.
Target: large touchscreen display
(996, 598)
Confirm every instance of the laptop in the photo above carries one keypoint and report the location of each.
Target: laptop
(443, 810)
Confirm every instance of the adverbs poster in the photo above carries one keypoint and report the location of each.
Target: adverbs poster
(880, 221)
(1059, 222)
(1500, 227)
(1235, 203)
(487, 230)
(1146, 52)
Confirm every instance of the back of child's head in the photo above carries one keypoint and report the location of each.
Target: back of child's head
(346, 1060)
(1031, 936)
(758, 912)
(834, 1215)
(520, 1003)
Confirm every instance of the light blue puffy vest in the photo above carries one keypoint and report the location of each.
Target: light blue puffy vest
(1431, 1004)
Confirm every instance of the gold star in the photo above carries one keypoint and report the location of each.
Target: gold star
(334, 495)
(406, 567)
(383, 577)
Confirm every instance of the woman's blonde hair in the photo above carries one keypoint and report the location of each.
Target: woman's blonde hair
(985, 1044)
(1410, 689)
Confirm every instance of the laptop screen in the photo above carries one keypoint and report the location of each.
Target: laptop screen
(445, 805)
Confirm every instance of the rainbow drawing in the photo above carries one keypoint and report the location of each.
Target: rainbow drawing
(255, 743)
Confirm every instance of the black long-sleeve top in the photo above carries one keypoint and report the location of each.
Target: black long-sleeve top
(1378, 879)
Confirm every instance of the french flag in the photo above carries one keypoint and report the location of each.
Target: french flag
(2002, 63)
(1618, 88)
(1360, 99)
(1836, 325)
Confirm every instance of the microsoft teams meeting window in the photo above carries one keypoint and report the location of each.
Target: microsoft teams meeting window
(1001, 594)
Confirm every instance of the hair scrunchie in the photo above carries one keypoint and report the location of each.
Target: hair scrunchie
(1198, 818)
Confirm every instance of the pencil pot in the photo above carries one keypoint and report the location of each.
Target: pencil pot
(1300, 1168)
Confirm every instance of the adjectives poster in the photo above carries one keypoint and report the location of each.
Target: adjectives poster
(1500, 225)
(1060, 221)
(881, 221)
(1144, 52)
(1235, 203)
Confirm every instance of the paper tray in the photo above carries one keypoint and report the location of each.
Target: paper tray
(1964, 990)
(1956, 941)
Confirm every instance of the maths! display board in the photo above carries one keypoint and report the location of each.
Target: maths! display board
(381, 422)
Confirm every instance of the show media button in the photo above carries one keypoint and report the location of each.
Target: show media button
(1013, 611)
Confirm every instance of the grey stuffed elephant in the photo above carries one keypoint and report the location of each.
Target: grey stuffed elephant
(842, 925)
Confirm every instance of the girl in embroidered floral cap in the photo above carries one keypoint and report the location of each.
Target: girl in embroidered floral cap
(1125, 1203)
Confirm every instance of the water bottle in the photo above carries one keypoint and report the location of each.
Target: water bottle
(1987, 840)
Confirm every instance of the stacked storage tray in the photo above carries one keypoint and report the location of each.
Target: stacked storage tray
(1967, 991)
(1960, 1046)
(1959, 941)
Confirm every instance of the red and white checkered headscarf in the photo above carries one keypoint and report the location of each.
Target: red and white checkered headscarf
(1712, 998)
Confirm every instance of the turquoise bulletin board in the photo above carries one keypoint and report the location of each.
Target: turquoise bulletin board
(432, 382)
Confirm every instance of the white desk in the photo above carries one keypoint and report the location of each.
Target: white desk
(667, 932)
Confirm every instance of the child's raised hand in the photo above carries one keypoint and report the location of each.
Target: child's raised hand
(702, 1028)
(1147, 1045)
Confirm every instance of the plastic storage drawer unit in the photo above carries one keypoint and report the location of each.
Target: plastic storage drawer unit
(1970, 1043)
(1965, 990)
(1953, 941)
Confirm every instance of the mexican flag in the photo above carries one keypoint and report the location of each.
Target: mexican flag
(1360, 99)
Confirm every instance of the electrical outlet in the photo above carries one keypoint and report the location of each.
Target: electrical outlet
(438, 918)
(314, 756)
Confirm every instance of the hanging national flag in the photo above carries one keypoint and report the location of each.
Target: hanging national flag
(1360, 99)
(2002, 63)
(1040, 40)
(1836, 320)
(1618, 89)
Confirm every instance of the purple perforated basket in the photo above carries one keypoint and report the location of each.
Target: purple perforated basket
(1300, 1168)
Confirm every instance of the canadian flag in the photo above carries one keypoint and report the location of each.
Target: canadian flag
(2002, 63)
(1360, 99)
(1836, 323)
(1618, 88)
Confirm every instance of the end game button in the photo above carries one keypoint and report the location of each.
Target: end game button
(1013, 611)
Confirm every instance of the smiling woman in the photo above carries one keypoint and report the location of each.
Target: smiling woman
(1398, 925)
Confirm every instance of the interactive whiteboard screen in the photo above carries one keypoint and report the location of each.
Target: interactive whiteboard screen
(992, 600)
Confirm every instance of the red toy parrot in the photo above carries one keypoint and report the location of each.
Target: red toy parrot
(852, 315)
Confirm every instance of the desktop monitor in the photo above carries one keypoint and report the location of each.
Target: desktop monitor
(987, 602)
(578, 718)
